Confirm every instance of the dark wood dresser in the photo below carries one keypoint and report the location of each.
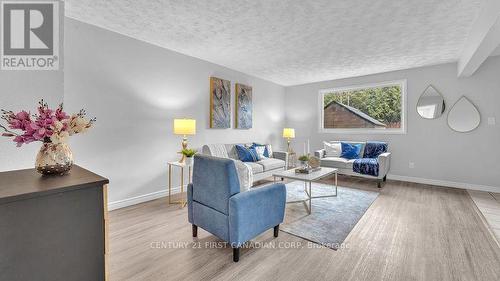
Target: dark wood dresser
(53, 228)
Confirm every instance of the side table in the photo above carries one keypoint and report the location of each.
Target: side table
(182, 166)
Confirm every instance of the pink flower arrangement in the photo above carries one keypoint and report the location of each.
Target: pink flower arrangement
(48, 126)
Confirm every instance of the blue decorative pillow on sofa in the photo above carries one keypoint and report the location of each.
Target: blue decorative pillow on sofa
(246, 154)
(374, 148)
(350, 151)
(266, 151)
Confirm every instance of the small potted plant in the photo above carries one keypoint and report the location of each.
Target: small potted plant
(304, 161)
(189, 153)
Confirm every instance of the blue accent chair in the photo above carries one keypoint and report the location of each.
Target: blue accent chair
(216, 204)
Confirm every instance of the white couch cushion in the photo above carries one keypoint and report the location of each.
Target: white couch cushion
(271, 163)
(332, 149)
(256, 168)
(335, 162)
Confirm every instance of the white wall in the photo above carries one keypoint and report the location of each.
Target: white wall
(21, 90)
(439, 154)
(136, 90)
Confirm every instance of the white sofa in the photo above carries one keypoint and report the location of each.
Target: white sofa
(261, 169)
(345, 165)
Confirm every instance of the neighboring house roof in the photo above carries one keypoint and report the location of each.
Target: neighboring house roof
(358, 113)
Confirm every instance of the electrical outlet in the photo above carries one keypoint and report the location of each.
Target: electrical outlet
(491, 121)
(411, 165)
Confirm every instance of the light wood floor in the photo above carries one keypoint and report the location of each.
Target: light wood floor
(488, 204)
(411, 232)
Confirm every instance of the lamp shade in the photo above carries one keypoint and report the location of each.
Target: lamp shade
(184, 126)
(289, 133)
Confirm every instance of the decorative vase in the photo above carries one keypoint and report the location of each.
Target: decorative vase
(54, 159)
(189, 161)
(304, 164)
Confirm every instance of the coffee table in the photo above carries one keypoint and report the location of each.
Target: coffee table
(308, 179)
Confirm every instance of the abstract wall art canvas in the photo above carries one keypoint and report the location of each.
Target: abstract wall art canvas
(243, 107)
(220, 103)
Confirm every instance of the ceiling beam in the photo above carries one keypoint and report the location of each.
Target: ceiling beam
(483, 39)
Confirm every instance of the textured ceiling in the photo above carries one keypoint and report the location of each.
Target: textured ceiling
(294, 42)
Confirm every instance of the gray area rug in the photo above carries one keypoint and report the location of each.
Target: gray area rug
(332, 219)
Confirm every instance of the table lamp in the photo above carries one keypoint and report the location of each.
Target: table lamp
(288, 133)
(184, 127)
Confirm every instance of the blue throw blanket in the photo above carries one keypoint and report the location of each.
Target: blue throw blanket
(369, 164)
(366, 166)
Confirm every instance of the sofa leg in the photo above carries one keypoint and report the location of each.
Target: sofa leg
(236, 254)
(379, 184)
(195, 230)
(282, 179)
(276, 230)
(385, 178)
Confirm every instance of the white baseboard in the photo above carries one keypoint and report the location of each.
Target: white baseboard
(142, 198)
(460, 185)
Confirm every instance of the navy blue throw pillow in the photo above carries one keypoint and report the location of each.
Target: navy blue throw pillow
(246, 154)
(374, 148)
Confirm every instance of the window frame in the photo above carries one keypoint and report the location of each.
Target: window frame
(402, 83)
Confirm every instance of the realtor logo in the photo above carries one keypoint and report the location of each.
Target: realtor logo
(30, 35)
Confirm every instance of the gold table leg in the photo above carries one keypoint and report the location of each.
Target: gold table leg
(169, 184)
(182, 202)
(182, 181)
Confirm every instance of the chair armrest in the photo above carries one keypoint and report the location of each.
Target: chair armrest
(319, 153)
(282, 155)
(384, 164)
(255, 211)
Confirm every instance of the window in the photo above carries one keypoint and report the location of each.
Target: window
(375, 108)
